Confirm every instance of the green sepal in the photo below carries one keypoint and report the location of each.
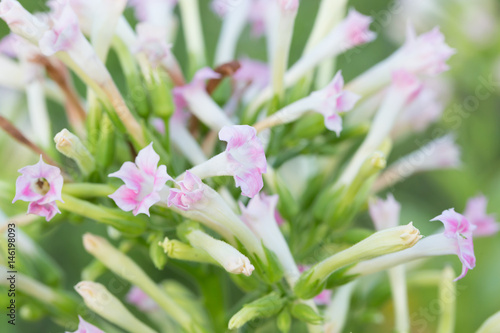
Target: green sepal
(263, 307)
(156, 253)
(246, 283)
(308, 127)
(305, 313)
(284, 321)
(306, 287)
(340, 277)
(272, 272)
(185, 228)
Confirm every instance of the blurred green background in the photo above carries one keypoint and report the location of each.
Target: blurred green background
(422, 197)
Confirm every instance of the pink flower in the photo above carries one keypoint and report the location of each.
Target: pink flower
(385, 213)
(323, 298)
(459, 229)
(152, 42)
(144, 181)
(253, 71)
(475, 212)
(289, 5)
(8, 45)
(40, 185)
(260, 211)
(356, 28)
(65, 29)
(246, 160)
(198, 82)
(84, 327)
(332, 100)
(427, 53)
(195, 97)
(222, 7)
(190, 192)
(141, 300)
(152, 11)
(423, 110)
(256, 16)
(20, 21)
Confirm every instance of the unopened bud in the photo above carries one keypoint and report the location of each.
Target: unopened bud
(70, 145)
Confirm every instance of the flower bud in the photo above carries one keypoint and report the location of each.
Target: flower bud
(227, 256)
(176, 249)
(71, 146)
(383, 242)
(101, 301)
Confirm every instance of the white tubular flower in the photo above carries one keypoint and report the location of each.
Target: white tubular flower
(421, 55)
(338, 309)
(442, 153)
(101, 301)
(405, 85)
(233, 23)
(21, 22)
(195, 200)
(33, 75)
(283, 40)
(98, 19)
(259, 216)
(456, 239)
(329, 101)
(385, 213)
(227, 256)
(195, 97)
(12, 74)
(351, 32)
(244, 159)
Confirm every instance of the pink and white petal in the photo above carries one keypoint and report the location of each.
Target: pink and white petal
(85, 327)
(333, 122)
(324, 297)
(24, 190)
(55, 192)
(237, 135)
(147, 160)
(347, 100)
(146, 203)
(125, 198)
(160, 179)
(48, 210)
(176, 198)
(131, 176)
(451, 221)
(463, 274)
(337, 84)
(250, 183)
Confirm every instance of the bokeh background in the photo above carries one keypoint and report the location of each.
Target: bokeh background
(472, 28)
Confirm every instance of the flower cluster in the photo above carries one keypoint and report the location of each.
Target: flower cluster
(245, 167)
